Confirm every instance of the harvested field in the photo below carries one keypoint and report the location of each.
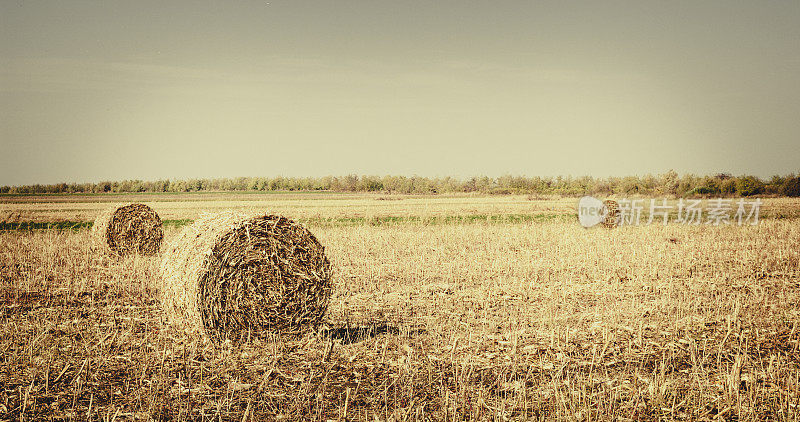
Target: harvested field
(522, 320)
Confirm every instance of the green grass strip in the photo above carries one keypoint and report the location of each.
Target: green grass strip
(432, 220)
(58, 225)
(331, 222)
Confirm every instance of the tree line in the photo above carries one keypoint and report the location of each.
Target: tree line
(669, 183)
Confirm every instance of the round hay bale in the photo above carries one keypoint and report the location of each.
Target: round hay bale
(230, 276)
(133, 228)
(611, 218)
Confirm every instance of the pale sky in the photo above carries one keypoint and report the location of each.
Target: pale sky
(116, 90)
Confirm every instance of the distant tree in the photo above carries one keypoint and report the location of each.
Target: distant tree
(162, 186)
(749, 185)
(370, 184)
(727, 186)
(276, 183)
(708, 186)
(336, 184)
(667, 183)
(628, 186)
(484, 184)
(791, 186)
(350, 183)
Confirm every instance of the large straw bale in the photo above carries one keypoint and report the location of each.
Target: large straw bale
(231, 276)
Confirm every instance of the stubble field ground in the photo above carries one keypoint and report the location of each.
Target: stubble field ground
(444, 308)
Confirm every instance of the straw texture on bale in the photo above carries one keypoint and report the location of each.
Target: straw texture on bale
(611, 218)
(232, 276)
(129, 229)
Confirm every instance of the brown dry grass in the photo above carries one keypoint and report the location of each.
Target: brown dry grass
(475, 321)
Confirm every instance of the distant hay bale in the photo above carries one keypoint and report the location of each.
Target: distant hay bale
(232, 276)
(129, 229)
(611, 218)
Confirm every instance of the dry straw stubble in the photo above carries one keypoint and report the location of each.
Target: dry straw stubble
(231, 276)
(129, 229)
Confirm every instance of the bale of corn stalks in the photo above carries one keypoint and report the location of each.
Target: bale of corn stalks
(611, 218)
(129, 229)
(230, 276)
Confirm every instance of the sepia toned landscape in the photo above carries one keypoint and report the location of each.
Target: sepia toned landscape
(443, 308)
(394, 211)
